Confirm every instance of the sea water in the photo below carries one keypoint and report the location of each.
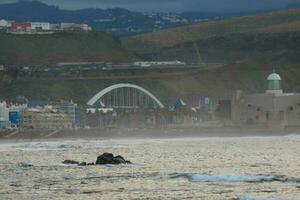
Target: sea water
(245, 168)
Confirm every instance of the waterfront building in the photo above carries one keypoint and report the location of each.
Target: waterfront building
(14, 114)
(10, 114)
(45, 118)
(273, 109)
(4, 114)
(72, 110)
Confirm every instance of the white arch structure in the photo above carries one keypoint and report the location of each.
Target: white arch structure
(103, 92)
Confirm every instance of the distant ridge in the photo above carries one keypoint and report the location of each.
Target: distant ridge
(38, 11)
(116, 20)
(273, 37)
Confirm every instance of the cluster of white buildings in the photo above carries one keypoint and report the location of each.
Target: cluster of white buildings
(40, 27)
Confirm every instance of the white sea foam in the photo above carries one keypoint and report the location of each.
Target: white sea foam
(122, 165)
(224, 178)
(254, 198)
(72, 144)
(117, 143)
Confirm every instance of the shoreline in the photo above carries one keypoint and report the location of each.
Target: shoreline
(159, 133)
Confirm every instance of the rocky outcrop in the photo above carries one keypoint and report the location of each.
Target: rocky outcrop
(104, 159)
(109, 158)
(70, 162)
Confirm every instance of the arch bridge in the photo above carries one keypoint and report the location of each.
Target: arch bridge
(125, 95)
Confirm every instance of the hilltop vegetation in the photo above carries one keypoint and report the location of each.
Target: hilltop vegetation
(60, 47)
(274, 37)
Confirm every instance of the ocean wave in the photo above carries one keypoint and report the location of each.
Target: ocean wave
(193, 177)
(31, 146)
(257, 198)
(152, 175)
(121, 165)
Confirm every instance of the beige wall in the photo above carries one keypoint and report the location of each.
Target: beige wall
(274, 111)
(44, 120)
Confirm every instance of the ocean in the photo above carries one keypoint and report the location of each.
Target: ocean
(235, 168)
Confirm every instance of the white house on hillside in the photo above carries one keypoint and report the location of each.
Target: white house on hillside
(45, 26)
(4, 23)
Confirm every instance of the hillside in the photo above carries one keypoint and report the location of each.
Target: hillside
(119, 21)
(251, 47)
(60, 47)
(274, 37)
(218, 83)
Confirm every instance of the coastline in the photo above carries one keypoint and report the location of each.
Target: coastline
(119, 133)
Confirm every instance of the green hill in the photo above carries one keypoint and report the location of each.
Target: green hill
(60, 47)
(273, 37)
(217, 83)
(251, 47)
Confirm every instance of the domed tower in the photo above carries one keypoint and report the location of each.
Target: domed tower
(274, 86)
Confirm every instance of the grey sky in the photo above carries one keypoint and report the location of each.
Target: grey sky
(172, 5)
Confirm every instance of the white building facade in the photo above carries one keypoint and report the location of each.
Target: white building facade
(45, 26)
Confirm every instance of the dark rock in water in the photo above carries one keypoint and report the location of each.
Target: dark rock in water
(108, 158)
(73, 162)
(82, 164)
(69, 162)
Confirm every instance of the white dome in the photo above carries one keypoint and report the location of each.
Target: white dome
(274, 77)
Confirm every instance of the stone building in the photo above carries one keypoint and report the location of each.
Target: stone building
(273, 109)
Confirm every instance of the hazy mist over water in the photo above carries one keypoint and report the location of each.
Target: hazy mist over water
(187, 168)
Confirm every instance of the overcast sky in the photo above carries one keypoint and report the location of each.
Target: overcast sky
(172, 5)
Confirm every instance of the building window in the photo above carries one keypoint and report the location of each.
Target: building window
(281, 115)
(291, 108)
(267, 115)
